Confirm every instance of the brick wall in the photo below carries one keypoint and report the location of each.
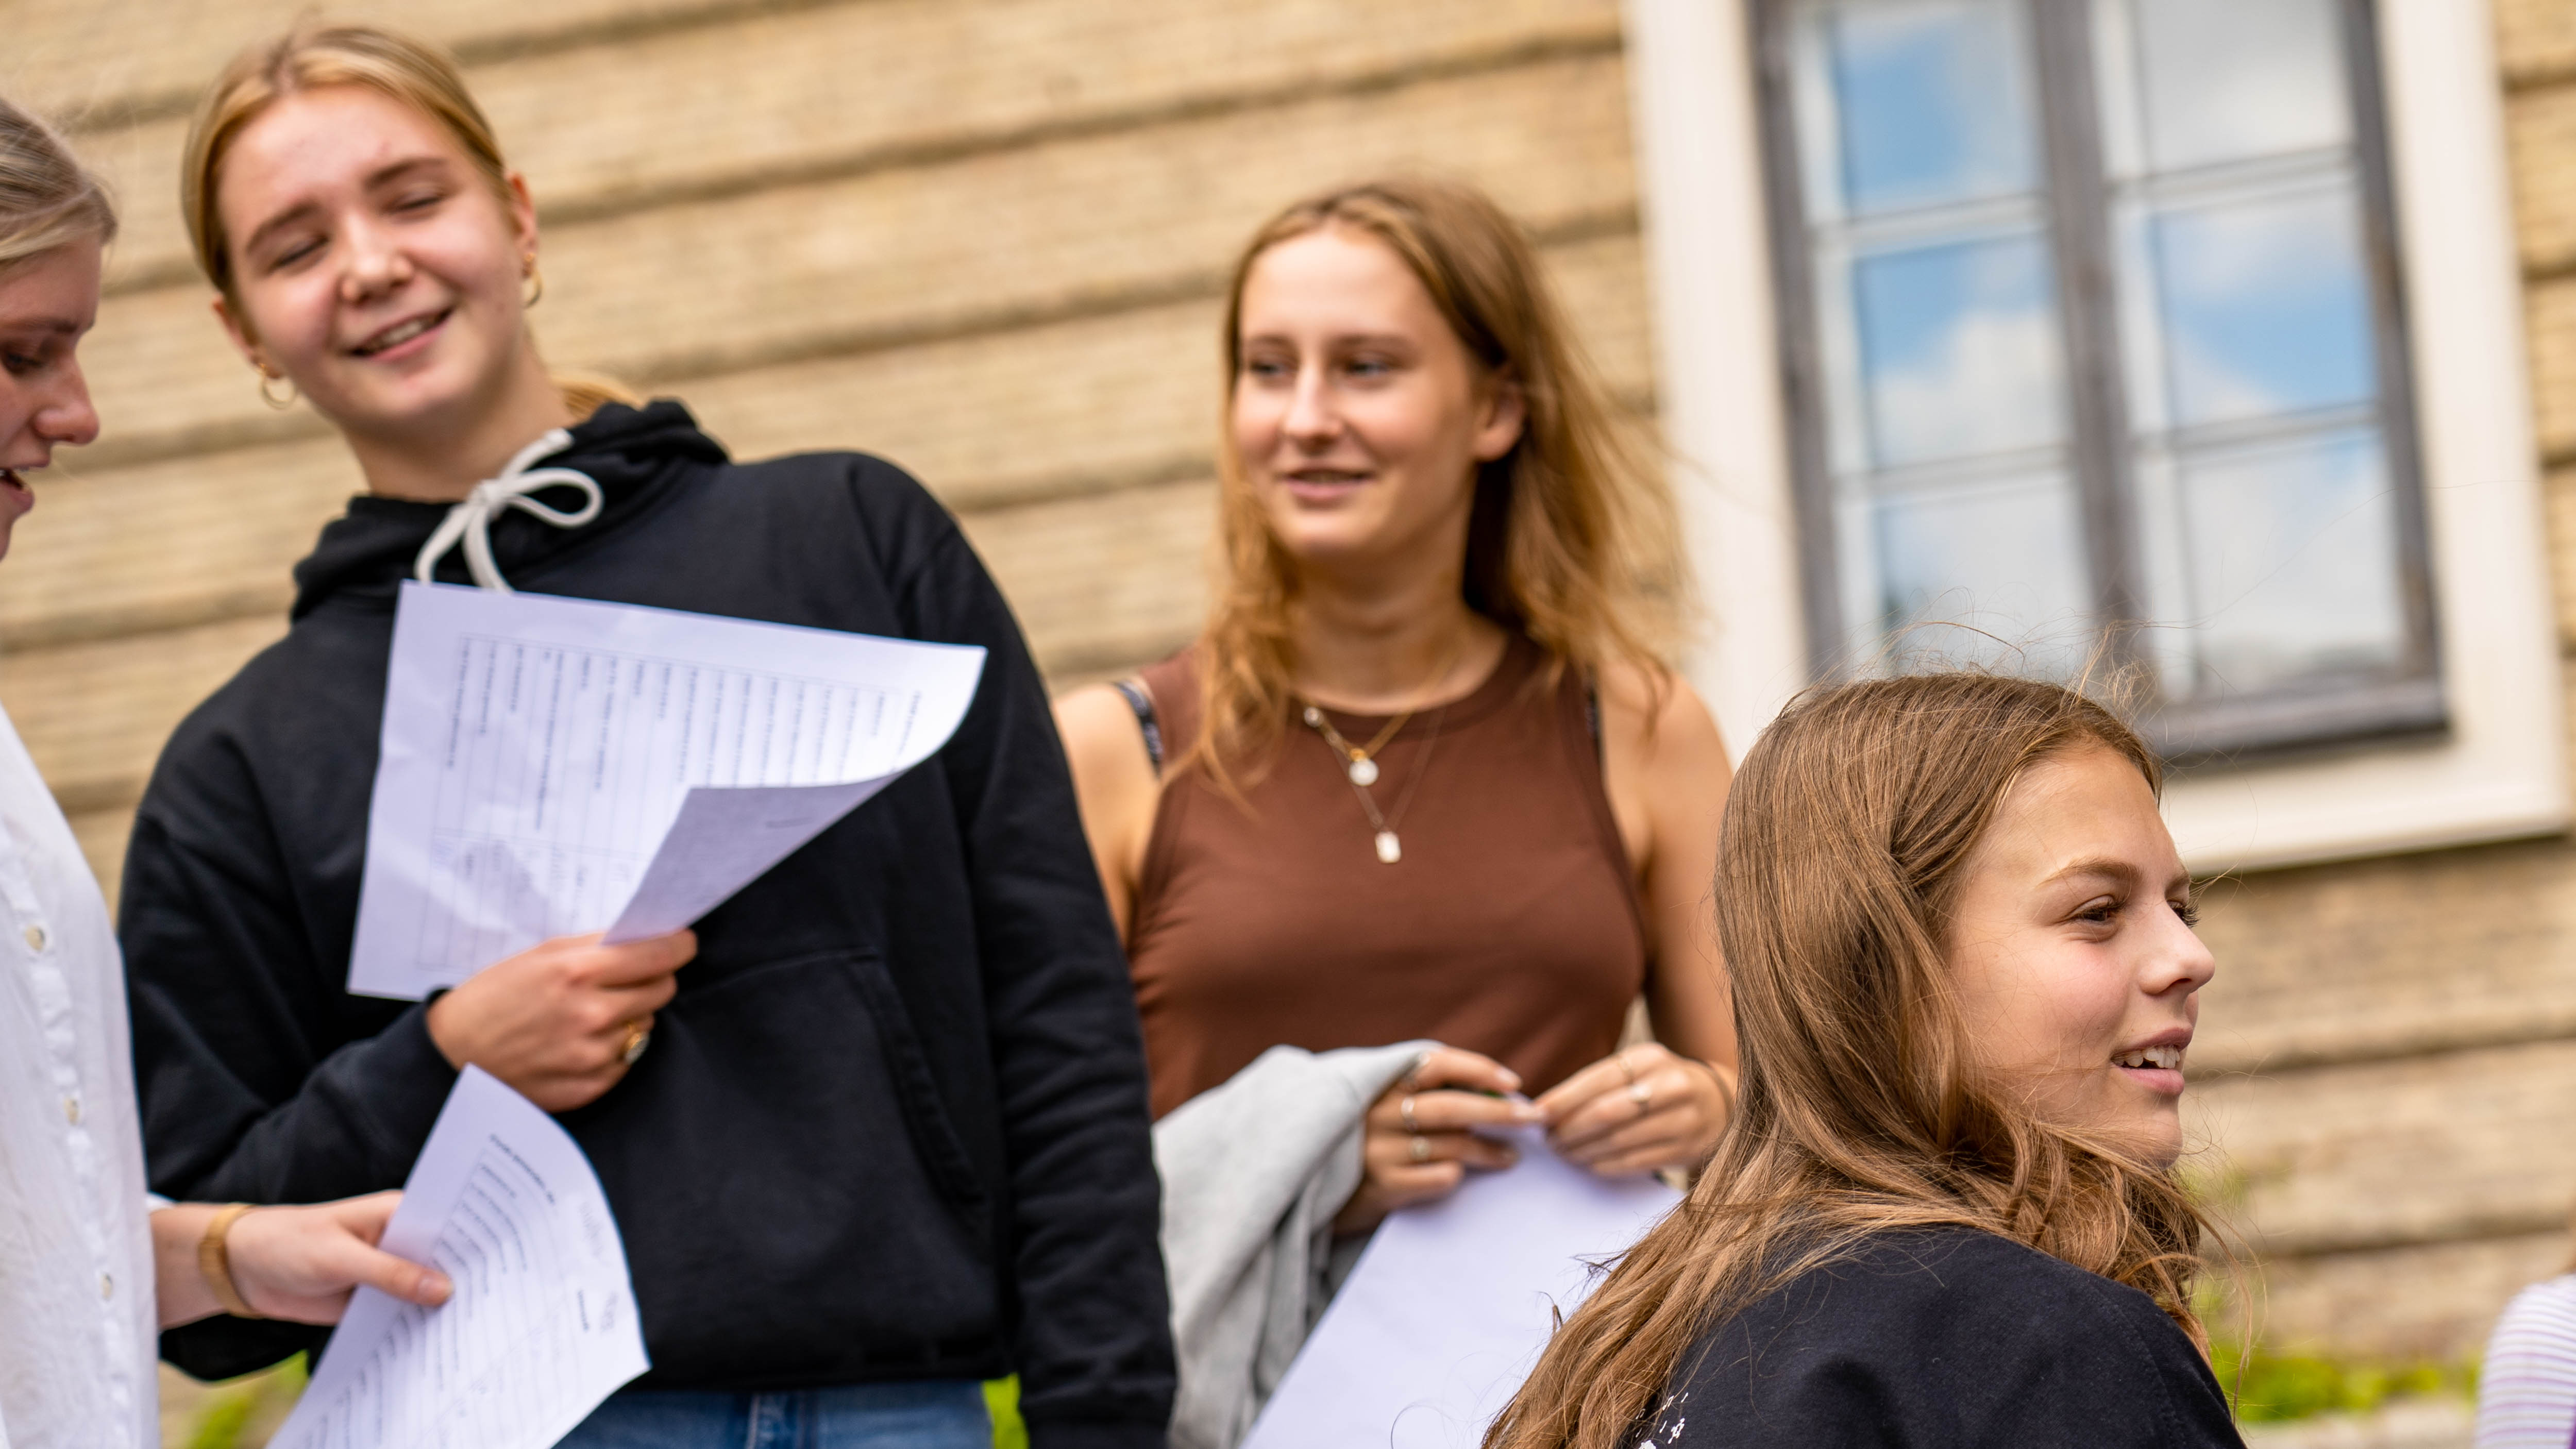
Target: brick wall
(983, 237)
(2388, 1079)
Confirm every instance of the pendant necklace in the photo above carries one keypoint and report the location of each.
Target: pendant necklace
(1360, 763)
(1390, 849)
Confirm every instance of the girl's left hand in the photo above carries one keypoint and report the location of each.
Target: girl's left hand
(1641, 1109)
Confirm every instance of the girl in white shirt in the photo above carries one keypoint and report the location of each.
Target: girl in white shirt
(90, 1268)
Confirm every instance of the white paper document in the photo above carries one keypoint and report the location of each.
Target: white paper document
(542, 1326)
(722, 841)
(1449, 1306)
(552, 766)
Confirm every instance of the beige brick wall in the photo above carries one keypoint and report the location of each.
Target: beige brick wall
(2385, 1089)
(2388, 1075)
(983, 237)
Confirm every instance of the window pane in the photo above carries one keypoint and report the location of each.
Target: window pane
(2005, 560)
(2264, 307)
(1931, 103)
(2228, 79)
(2293, 559)
(2259, 511)
(1959, 350)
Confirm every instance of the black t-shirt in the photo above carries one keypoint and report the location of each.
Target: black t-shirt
(1943, 1337)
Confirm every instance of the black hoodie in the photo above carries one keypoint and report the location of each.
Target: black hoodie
(894, 1124)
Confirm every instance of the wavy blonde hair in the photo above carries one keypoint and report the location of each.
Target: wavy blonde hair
(1844, 848)
(1573, 540)
(47, 198)
(316, 53)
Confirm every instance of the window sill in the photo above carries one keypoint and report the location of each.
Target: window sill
(2290, 725)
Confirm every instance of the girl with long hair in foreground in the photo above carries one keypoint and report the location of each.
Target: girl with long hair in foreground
(1964, 971)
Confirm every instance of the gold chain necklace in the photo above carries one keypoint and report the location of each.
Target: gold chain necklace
(1360, 762)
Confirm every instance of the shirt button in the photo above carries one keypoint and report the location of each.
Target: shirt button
(106, 1286)
(71, 1110)
(35, 938)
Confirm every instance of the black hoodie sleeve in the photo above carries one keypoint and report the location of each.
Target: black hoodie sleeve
(1092, 1337)
(259, 1082)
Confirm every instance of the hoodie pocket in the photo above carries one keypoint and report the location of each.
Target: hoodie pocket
(797, 1202)
(925, 1113)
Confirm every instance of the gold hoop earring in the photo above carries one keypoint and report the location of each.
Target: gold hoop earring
(272, 399)
(536, 289)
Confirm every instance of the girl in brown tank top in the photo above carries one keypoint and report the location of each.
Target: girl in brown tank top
(1422, 775)
(1508, 925)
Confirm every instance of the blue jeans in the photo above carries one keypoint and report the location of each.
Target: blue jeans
(936, 1415)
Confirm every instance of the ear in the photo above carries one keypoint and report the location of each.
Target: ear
(523, 213)
(1506, 409)
(237, 328)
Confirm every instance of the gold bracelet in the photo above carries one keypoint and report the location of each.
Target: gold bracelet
(215, 1262)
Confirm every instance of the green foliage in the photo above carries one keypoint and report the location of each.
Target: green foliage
(2270, 1387)
(1002, 1401)
(221, 1425)
(247, 1410)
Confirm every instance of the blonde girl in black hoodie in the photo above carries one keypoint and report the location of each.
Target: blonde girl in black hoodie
(890, 1135)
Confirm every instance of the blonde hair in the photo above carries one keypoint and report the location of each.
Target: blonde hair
(47, 198)
(312, 54)
(1845, 844)
(1571, 541)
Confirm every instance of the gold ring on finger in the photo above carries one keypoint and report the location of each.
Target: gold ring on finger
(638, 1037)
(1405, 1110)
(1641, 1093)
(1421, 1148)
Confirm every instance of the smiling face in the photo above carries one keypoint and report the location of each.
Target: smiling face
(47, 304)
(374, 264)
(1358, 416)
(2073, 953)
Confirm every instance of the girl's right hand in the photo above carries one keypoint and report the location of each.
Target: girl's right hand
(556, 1021)
(1404, 1162)
(301, 1263)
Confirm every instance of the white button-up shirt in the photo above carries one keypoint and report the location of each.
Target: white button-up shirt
(78, 1323)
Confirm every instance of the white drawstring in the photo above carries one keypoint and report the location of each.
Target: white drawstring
(471, 520)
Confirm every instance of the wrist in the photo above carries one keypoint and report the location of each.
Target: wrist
(438, 1019)
(1719, 1086)
(214, 1261)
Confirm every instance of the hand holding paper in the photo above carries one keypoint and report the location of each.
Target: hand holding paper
(556, 1021)
(542, 1326)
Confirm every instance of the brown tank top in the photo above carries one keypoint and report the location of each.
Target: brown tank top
(1510, 926)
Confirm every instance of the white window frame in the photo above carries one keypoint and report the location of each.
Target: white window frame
(2499, 772)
